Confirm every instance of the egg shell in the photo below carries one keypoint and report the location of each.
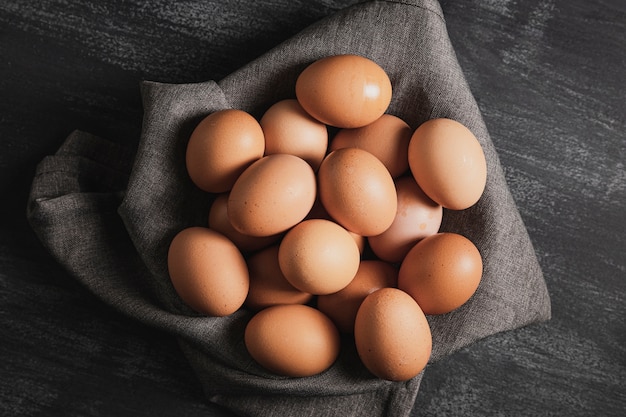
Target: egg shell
(207, 271)
(319, 212)
(357, 191)
(360, 241)
(441, 272)
(417, 217)
(387, 138)
(343, 305)
(221, 147)
(288, 128)
(219, 221)
(319, 256)
(292, 340)
(392, 335)
(272, 195)
(268, 285)
(448, 163)
(344, 91)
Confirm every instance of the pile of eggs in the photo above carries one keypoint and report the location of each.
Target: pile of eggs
(325, 220)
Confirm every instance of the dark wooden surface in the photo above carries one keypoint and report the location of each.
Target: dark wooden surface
(550, 78)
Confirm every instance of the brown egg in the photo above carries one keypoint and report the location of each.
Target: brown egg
(221, 147)
(218, 221)
(343, 305)
(357, 191)
(319, 256)
(417, 217)
(448, 163)
(319, 212)
(268, 285)
(207, 271)
(441, 272)
(272, 195)
(292, 340)
(290, 129)
(387, 138)
(344, 91)
(360, 241)
(392, 335)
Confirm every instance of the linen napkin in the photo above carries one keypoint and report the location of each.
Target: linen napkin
(108, 213)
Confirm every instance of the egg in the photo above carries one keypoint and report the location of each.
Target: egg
(324, 239)
(292, 340)
(319, 256)
(221, 147)
(319, 212)
(357, 191)
(344, 91)
(387, 138)
(448, 163)
(343, 305)
(441, 272)
(219, 221)
(207, 271)
(268, 285)
(272, 195)
(360, 241)
(288, 128)
(416, 218)
(392, 335)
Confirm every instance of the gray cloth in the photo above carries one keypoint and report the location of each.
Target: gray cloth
(108, 213)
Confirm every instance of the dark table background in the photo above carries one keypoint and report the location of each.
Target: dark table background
(550, 79)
